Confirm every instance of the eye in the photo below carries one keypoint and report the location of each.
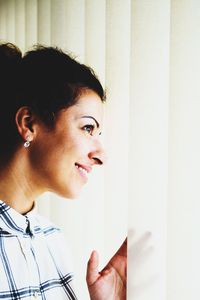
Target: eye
(89, 128)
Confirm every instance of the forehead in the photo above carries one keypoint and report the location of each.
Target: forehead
(89, 103)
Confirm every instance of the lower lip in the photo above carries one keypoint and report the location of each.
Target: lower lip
(83, 175)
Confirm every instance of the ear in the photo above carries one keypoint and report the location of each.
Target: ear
(26, 123)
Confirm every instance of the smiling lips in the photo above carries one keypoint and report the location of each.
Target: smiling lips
(83, 170)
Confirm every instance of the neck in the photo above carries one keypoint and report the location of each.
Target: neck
(18, 188)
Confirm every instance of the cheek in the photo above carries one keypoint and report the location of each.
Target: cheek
(60, 151)
(45, 150)
(80, 146)
(42, 156)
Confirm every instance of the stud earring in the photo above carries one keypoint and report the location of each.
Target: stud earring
(27, 143)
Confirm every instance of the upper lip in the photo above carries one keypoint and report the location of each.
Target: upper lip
(85, 167)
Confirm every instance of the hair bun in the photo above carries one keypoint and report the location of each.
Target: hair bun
(9, 53)
(10, 56)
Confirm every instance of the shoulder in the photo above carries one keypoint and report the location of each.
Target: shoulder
(56, 242)
(51, 232)
(44, 225)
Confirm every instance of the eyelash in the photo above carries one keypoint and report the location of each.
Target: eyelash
(90, 128)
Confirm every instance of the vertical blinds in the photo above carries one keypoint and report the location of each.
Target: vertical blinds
(146, 53)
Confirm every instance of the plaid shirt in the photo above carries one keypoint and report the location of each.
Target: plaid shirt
(33, 258)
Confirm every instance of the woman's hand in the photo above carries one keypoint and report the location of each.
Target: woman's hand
(110, 283)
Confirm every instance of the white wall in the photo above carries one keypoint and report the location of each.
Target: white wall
(146, 53)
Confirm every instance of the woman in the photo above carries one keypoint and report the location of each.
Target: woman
(50, 122)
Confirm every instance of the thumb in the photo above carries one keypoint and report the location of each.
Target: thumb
(92, 268)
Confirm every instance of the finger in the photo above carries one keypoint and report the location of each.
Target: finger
(92, 268)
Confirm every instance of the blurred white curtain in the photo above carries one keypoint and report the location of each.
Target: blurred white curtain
(146, 53)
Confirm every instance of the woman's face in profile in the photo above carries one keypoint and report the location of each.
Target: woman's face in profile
(64, 156)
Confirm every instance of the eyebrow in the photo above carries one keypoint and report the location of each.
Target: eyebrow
(90, 117)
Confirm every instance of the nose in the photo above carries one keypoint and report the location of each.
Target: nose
(98, 155)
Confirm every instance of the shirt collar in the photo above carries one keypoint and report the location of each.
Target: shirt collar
(15, 223)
